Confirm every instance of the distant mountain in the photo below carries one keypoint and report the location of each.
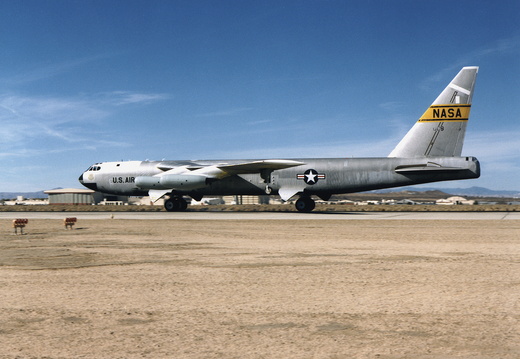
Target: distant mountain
(471, 191)
(13, 195)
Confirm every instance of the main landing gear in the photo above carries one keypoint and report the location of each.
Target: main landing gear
(305, 204)
(175, 204)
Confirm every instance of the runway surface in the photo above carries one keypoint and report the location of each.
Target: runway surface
(255, 286)
(269, 215)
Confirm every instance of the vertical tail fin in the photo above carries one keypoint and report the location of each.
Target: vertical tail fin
(440, 130)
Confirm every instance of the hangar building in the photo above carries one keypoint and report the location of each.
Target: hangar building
(73, 196)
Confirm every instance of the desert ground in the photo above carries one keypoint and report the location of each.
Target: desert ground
(116, 288)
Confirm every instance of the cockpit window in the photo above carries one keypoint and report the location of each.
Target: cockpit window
(94, 168)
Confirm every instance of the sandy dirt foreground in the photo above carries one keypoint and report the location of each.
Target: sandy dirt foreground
(261, 289)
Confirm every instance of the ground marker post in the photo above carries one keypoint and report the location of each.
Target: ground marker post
(19, 223)
(69, 222)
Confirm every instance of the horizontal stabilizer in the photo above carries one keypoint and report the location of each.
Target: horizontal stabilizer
(426, 168)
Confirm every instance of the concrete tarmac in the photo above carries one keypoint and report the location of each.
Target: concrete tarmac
(459, 216)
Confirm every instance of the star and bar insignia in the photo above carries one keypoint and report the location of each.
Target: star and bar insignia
(311, 176)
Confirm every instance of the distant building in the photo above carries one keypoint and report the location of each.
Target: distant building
(242, 199)
(208, 201)
(454, 200)
(20, 200)
(73, 196)
(144, 201)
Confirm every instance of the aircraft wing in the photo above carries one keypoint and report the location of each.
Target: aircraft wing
(195, 176)
(222, 170)
(231, 169)
(258, 166)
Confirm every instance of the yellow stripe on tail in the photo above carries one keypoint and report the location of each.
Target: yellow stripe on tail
(442, 113)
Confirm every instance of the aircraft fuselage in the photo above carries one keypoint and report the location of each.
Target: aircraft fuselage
(431, 151)
(321, 177)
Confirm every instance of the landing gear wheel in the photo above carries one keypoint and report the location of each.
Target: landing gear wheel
(305, 204)
(171, 205)
(175, 204)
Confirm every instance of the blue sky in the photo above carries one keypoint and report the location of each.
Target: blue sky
(90, 81)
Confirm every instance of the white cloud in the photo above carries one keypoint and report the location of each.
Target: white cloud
(497, 48)
(31, 125)
(120, 98)
(42, 72)
(229, 112)
(48, 109)
(498, 147)
(27, 118)
(393, 106)
(259, 122)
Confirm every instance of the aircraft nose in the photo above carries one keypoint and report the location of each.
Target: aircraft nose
(89, 185)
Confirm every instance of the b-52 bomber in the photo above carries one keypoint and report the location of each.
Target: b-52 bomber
(429, 152)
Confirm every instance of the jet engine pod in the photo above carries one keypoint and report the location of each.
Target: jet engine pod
(183, 182)
(148, 183)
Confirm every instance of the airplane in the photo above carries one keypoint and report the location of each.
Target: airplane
(429, 152)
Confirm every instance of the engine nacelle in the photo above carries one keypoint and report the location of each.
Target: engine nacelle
(172, 181)
(183, 182)
(148, 182)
